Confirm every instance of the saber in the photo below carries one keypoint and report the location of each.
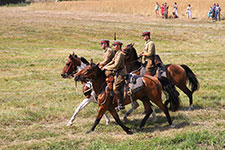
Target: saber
(114, 36)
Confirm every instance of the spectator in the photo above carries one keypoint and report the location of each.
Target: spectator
(162, 10)
(217, 12)
(175, 10)
(165, 11)
(210, 13)
(157, 9)
(188, 11)
(213, 10)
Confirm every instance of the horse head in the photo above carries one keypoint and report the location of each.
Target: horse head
(73, 64)
(130, 52)
(89, 72)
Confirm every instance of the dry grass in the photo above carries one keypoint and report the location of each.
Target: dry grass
(141, 7)
(36, 102)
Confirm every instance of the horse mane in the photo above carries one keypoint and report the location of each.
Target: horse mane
(84, 60)
(81, 58)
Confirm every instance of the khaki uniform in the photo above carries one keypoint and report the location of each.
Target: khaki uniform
(108, 56)
(150, 49)
(117, 65)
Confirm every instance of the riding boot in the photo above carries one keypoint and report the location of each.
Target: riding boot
(119, 99)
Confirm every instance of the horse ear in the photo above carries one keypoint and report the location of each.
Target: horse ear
(132, 44)
(73, 54)
(97, 65)
(92, 64)
(71, 57)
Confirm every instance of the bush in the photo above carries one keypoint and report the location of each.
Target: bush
(6, 2)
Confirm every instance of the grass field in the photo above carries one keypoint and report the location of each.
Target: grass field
(200, 8)
(36, 103)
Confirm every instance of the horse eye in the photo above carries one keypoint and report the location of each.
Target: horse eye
(68, 64)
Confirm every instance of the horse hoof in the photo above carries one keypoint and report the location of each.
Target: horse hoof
(129, 132)
(172, 126)
(191, 108)
(125, 119)
(107, 122)
(89, 131)
(69, 124)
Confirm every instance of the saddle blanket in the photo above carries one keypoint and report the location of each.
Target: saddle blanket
(135, 83)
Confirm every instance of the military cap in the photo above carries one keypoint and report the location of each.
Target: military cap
(104, 41)
(117, 43)
(146, 33)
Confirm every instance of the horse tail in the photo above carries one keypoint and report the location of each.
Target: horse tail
(191, 77)
(171, 93)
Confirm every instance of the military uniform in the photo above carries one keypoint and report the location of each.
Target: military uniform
(108, 56)
(150, 50)
(117, 65)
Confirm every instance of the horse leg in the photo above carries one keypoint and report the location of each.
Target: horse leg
(101, 112)
(136, 105)
(148, 111)
(107, 120)
(189, 94)
(154, 117)
(116, 117)
(164, 109)
(84, 103)
(93, 95)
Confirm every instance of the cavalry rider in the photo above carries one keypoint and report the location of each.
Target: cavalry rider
(109, 53)
(117, 65)
(148, 53)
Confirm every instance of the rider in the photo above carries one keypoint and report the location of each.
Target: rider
(117, 65)
(109, 53)
(148, 53)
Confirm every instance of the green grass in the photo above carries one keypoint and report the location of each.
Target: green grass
(36, 103)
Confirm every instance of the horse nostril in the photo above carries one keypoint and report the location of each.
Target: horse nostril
(63, 75)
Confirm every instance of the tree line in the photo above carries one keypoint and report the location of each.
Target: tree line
(6, 2)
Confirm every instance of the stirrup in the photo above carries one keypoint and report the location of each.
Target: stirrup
(119, 107)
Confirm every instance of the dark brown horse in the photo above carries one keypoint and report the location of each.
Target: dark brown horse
(178, 74)
(152, 91)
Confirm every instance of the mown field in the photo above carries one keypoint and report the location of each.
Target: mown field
(36, 103)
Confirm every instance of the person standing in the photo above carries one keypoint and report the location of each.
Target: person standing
(117, 65)
(165, 11)
(175, 10)
(213, 11)
(188, 11)
(217, 12)
(162, 10)
(157, 9)
(148, 53)
(108, 53)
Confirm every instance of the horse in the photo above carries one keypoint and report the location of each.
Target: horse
(73, 65)
(177, 74)
(152, 90)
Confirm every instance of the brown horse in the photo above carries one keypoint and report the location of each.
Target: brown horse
(73, 65)
(152, 91)
(178, 74)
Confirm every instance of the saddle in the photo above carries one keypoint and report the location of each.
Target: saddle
(135, 83)
(159, 66)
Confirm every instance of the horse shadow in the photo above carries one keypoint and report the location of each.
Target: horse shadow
(160, 125)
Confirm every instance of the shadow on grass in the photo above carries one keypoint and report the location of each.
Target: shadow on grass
(160, 125)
